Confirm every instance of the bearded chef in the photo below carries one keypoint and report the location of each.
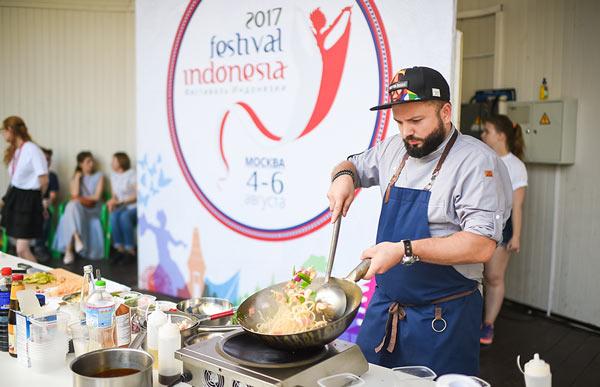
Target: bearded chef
(446, 197)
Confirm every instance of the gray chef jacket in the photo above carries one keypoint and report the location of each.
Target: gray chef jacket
(472, 192)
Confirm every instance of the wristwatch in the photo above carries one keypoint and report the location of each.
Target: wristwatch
(409, 258)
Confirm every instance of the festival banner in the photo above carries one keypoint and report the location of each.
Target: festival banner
(243, 109)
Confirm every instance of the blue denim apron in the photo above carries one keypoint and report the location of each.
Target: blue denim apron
(422, 314)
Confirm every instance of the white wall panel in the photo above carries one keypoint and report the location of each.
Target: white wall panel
(67, 68)
(577, 285)
(559, 40)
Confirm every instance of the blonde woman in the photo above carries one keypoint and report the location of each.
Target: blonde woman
(22, 210)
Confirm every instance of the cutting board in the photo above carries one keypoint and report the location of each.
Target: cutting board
(39, 288)
(66, 283)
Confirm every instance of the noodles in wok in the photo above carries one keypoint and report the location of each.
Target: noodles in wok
(297, 311)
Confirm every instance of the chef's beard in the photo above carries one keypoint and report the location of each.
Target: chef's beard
(429, 143)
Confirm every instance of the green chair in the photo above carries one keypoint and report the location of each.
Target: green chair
(4, 241)
(53, 211)
(106, 229)
(59, 213)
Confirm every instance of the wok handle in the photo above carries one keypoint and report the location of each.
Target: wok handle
(359, 271)
(215, 316)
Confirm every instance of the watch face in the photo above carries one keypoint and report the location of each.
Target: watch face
(409, 260)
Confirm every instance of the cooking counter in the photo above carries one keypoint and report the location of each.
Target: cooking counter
(14, 374)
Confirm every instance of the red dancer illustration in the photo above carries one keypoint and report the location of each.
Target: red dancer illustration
(333, 61)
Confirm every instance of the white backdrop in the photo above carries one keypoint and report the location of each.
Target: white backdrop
(243, 108)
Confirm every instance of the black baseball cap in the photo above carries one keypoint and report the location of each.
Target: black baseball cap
(416, 84)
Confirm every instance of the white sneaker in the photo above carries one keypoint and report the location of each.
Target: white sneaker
(78, 246)
(68, 258)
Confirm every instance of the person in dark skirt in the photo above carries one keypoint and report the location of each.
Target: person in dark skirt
(22, 208)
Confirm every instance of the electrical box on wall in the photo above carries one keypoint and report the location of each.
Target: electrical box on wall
(549, 129)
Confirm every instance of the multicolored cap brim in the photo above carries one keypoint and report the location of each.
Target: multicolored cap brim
(416, 84)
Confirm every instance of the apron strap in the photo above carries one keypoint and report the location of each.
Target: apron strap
(434, 174)
(453, 296)
(395, 177)
(396, 313)
(440, 162)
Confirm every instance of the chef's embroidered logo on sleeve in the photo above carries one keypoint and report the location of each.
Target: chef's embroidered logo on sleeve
(488, 173)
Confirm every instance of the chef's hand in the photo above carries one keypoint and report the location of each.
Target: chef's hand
(514, 245)
(340, 195)
(384, 256)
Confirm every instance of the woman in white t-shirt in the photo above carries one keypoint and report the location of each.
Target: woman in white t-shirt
(506, 139)
(22, 210)
(122, 206)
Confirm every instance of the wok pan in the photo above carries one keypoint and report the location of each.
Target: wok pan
(263, 300)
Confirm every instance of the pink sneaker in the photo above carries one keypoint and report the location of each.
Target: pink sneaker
(487, 334)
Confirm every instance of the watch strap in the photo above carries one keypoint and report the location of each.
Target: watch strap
(408, 252)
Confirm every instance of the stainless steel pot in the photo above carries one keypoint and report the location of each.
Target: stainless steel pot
(87, 367)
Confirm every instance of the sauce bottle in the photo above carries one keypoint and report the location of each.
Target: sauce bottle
(543, 90)
(5, 283)
(17, 285)
(87, 287)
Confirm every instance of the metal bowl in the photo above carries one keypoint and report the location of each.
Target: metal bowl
(205, 306)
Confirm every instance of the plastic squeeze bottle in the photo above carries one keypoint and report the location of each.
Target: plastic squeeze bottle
(537, 373)
(155, 320)
(169, 341)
